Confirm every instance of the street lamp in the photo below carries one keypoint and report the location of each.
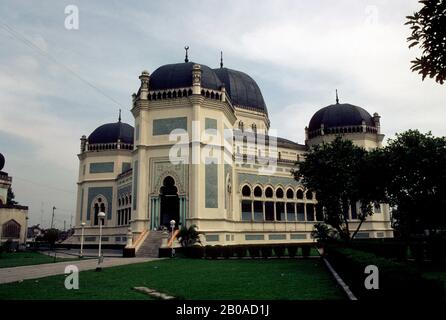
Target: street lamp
(101, 216)
(81, 254)
(172, 226)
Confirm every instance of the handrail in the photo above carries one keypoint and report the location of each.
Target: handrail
(172, 239)
(140, 240)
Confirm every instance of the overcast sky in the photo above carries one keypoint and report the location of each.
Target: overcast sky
(299, 52)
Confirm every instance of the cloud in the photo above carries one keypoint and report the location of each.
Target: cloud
(299, 52)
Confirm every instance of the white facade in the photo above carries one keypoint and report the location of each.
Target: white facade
(141, 186)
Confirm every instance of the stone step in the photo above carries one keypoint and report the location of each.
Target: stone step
(151, 245)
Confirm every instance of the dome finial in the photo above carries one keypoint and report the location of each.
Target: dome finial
(119, 118)
(186, 59)
(337, 98)
(221, 59)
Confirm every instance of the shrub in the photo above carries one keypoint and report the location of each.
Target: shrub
(392, 249)
(240, 251)
(254, 251)
(306, 251)
(213, 252)
(279, 251)
(436, 248)
(267, 251)
(195, 252)
(228, 252)
(292, 250)
(417, 251)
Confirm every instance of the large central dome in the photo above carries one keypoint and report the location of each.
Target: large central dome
(179, 75)
(242, 90)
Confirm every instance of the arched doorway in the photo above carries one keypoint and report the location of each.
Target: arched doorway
(170, 208)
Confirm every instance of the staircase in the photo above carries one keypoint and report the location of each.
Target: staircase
(151, 245)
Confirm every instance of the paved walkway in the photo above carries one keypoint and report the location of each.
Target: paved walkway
(44, 270)
(88, 253)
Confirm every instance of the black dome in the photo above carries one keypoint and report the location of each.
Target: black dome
(242, 89)
(340, 115)
(2, 161)
(111, 132)
(179, 75)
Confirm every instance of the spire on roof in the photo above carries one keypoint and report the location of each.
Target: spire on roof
(119, 118)
(221, 59)
(186, 59)
(337, 98)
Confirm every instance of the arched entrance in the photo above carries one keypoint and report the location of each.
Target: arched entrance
(170, 204)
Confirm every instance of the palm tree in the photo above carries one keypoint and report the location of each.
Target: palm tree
(189, 236)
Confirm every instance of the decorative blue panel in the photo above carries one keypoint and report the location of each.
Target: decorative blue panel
(277, 237)
(254, 237)
(165, 126)
(362, 235)
(210, 123)
(212, 237)
(126, 166)
(211, 185)
(106, 192)
(135, 184)
(82, 204)
(137, 132)
(298, 236)
(101, 167)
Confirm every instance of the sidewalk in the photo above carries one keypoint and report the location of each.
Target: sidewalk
(44, 270)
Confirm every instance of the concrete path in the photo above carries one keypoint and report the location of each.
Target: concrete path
(44, 270)
(88, 253)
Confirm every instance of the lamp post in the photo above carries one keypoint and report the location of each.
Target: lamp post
(172, 226)
(81, 254)
(101, 216)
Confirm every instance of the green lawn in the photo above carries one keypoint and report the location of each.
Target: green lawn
(292, 279)
(15, 259)
(436, 273)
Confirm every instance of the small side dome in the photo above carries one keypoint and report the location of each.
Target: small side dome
(242, 89)
(179, 75)
(111, 132)
(2, 161)
(340, 115)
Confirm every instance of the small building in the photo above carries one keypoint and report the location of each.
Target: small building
(13, 217)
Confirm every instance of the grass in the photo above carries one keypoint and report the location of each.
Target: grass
(288, 279)
(436, 273)
(16, 259)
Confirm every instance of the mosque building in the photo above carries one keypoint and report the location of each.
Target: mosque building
(201, 152)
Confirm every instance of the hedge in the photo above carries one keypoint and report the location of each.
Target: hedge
(396, 280)
(241, 251)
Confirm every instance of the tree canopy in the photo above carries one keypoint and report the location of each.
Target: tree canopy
(428, 27)
(413, 174)
(339, 173)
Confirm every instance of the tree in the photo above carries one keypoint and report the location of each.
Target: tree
(338, 173)
(413, 170)
(428, 28)
(323, 232)
(189, 236)
(51, 236)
